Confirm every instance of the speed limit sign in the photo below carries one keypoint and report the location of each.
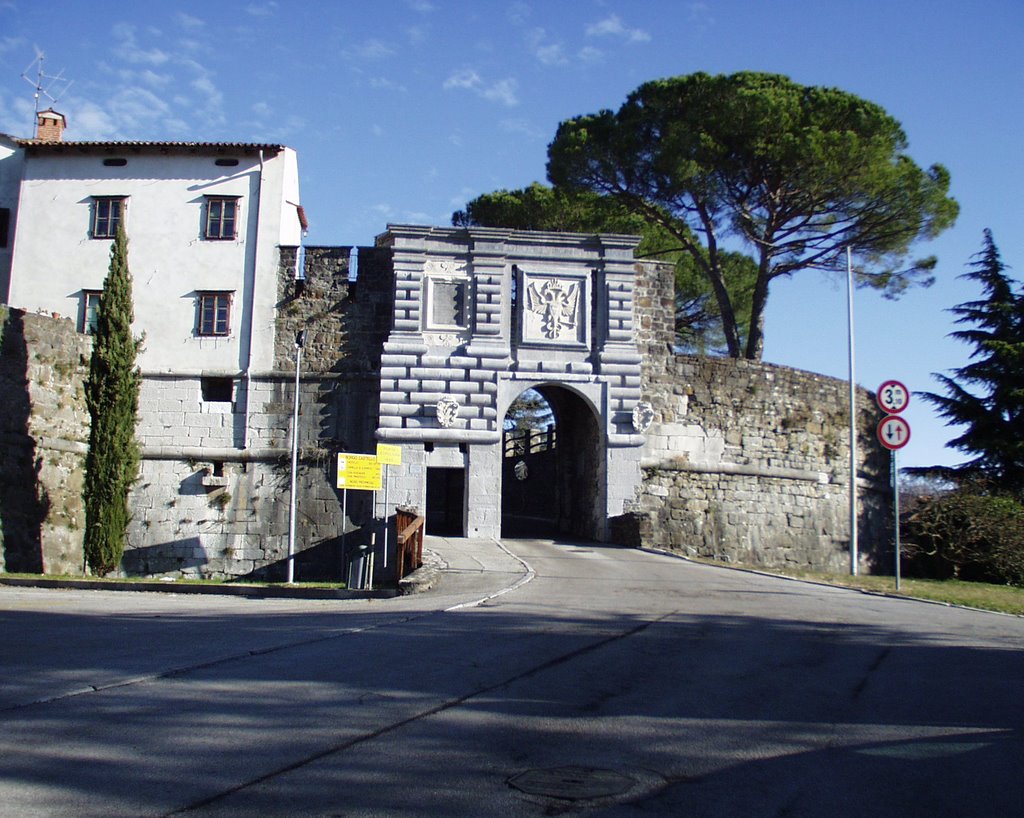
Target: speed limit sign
(892, 397)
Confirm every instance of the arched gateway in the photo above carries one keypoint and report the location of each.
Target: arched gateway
(480, 315)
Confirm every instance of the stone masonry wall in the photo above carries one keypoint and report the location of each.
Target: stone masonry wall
(748, 461)
(213, 497)
(44, 425)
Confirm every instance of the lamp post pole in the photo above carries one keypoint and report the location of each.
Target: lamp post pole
(853, 420)
(299, 339)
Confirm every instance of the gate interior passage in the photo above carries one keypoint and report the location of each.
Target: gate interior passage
(552, 478)
(446, 498)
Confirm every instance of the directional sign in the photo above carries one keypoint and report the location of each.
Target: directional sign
(893, 432)
(359, 471)
(893, 397)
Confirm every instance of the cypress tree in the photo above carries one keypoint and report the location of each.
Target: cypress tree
(112, 396)
(986, 395)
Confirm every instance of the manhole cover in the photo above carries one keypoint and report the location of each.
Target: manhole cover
(573, 783)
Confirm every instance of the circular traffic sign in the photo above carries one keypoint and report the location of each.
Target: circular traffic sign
(893, 397)
(893, 432)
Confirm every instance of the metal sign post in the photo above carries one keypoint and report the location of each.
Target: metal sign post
(355, 471)
(894, 433)
(387, 455)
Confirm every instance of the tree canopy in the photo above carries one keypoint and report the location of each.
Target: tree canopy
(793, 174)
(986, 395)
(539, 207)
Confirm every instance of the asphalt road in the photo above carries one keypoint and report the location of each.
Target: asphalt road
(535, 678)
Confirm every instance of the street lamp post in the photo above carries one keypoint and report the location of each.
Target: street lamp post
(299, 340)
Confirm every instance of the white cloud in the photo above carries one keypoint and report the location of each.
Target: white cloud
(372, 49)
(590, 54)
(467, 79)
(262, 9)
(154, 79)
(188, 21)
(88, 122)
(387, 85)
(262, 109)
(547, 53)
(503, 91)
(518, 13)
(700, 15)
(523, 127)
(11, 43)
(128, 47)
(464, 78)
(467, 194)
(612, 26)
(421, 6)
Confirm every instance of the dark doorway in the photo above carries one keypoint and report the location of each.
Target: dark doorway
(553, 478)
(446, 496)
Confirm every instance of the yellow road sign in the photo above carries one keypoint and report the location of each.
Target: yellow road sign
(389, 455)
(359, 471)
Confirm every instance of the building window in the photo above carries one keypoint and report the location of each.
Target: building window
(214, 313)
(217, 390)
(221, 217)
(5, 225)
(107, 212)
(90, 310)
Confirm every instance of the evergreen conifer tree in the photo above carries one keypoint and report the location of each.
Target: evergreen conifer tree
(112, 396)
(987, 394)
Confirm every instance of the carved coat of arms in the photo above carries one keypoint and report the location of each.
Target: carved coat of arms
(557, 304)
(447, 411)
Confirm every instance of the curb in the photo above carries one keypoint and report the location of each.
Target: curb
(248, 591)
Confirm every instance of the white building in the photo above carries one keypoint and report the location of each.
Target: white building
(204, 223)
(213, 229)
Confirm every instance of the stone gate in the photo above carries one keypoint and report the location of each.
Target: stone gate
(480, 316)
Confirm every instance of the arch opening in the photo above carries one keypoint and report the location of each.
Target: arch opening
(553, 480)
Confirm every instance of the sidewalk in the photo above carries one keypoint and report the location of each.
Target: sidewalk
(465, 566)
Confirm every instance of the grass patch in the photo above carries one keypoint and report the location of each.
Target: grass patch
(1001, 598)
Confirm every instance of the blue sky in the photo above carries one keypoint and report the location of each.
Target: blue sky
(402, 110)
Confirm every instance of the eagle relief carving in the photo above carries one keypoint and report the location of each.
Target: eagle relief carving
(447, 410)
(556, 303)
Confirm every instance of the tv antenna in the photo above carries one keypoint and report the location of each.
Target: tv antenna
(50, 86)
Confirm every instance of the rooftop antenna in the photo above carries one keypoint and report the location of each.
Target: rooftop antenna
(50, 86)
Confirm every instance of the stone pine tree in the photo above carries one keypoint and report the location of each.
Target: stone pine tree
(986, 395)
(791, 174)
(112, 396)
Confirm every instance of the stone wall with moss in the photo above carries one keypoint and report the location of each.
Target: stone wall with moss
(213, 496)
(749, 461)
(44, 425)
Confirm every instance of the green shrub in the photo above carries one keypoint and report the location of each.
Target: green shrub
(968, 534)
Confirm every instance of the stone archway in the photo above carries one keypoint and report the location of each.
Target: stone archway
(553, 479)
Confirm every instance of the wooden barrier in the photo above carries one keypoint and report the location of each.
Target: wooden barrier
(410, 541)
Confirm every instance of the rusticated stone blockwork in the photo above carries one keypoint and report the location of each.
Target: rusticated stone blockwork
(45, 430)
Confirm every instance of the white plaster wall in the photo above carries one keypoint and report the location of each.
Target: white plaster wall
(54, 258)
(12, 162)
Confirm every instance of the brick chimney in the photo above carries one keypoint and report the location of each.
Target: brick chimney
(50, 126)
